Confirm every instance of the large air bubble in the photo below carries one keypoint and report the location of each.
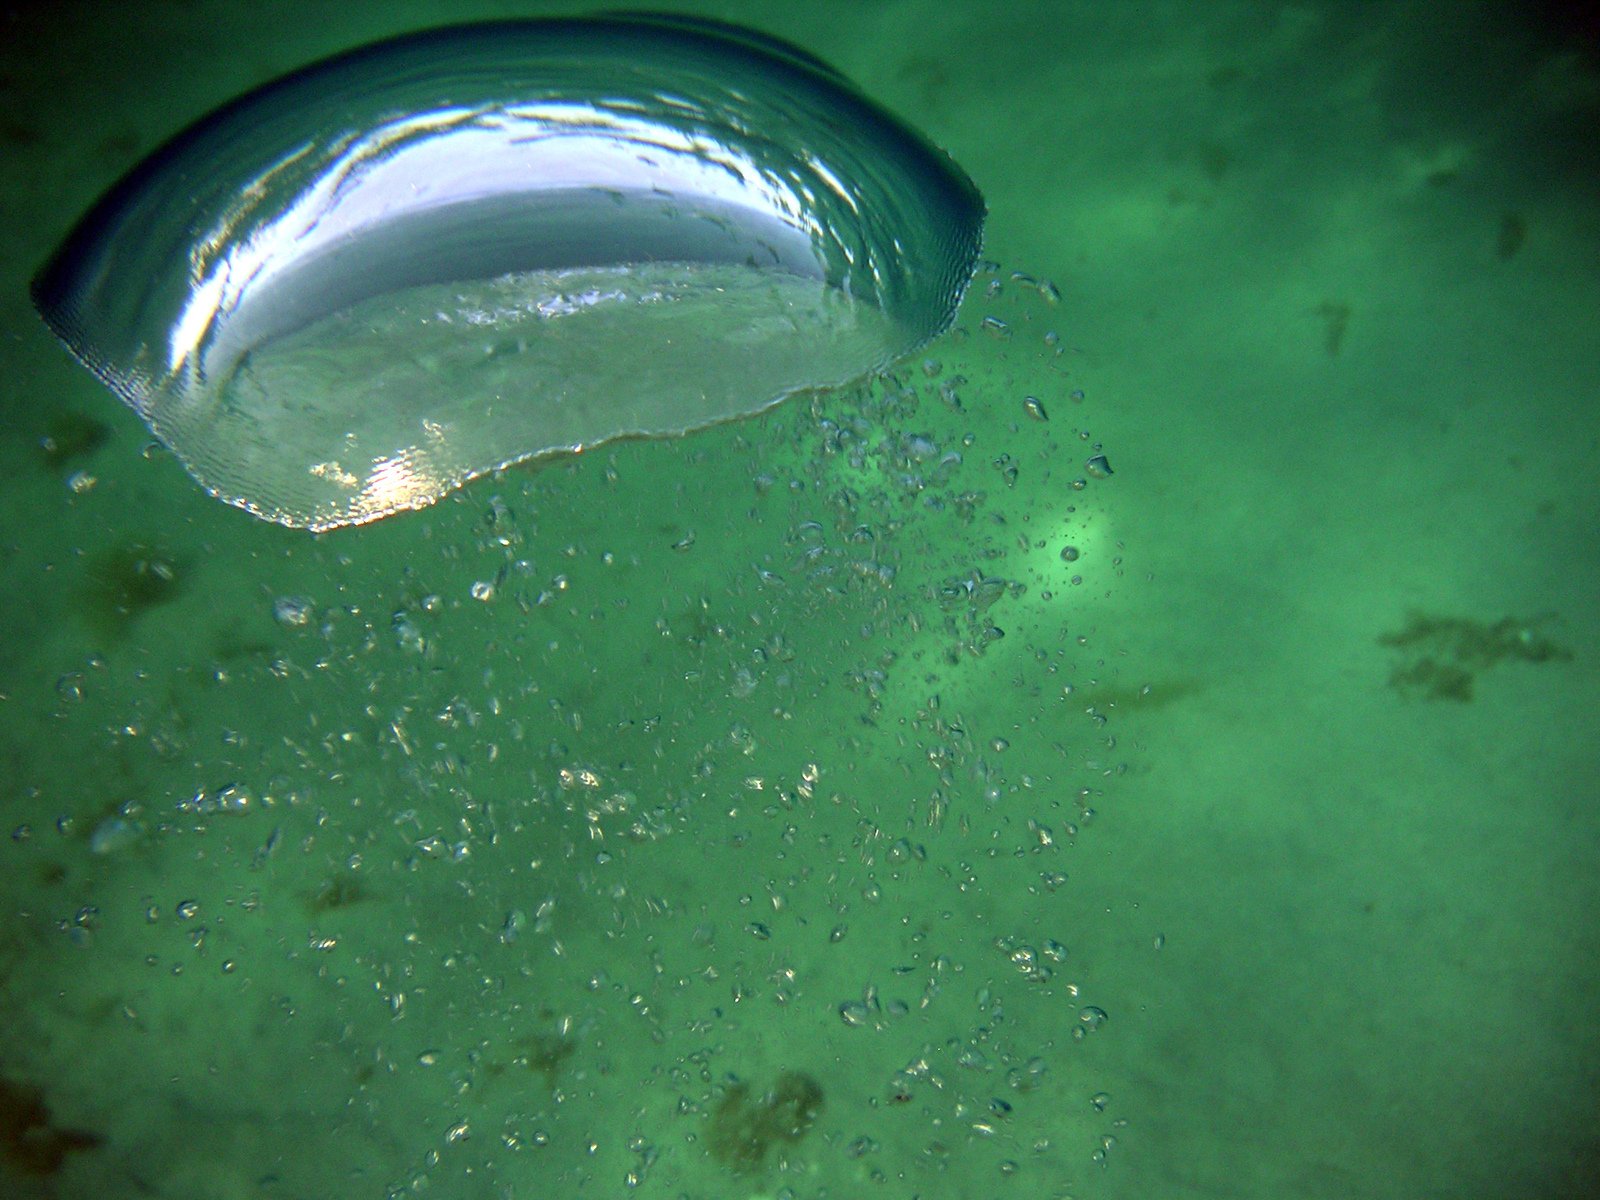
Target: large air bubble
(360, 286)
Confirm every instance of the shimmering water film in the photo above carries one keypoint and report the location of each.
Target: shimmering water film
(356, 288)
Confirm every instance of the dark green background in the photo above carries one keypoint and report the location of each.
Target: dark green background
(1330, 276)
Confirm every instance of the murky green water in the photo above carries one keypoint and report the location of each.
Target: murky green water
(672, 822)
(681, 811)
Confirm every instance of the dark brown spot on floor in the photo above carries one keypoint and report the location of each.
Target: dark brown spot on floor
(746, 1126)
(1513, 232)
(1441, 657)
(127, 581)
(30, 1144)
(1335, 322)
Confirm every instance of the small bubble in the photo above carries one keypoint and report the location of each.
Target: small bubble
(233, 799)
(292, 612)
(1069, 554)
(854, 1013)
(112, 834)
(483, 589)
(1091, 1017)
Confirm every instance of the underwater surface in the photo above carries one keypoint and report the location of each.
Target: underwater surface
(1143, 744)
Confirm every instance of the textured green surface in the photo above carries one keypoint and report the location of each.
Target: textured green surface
(563, 831)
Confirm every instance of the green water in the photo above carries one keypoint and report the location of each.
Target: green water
(777, 811)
